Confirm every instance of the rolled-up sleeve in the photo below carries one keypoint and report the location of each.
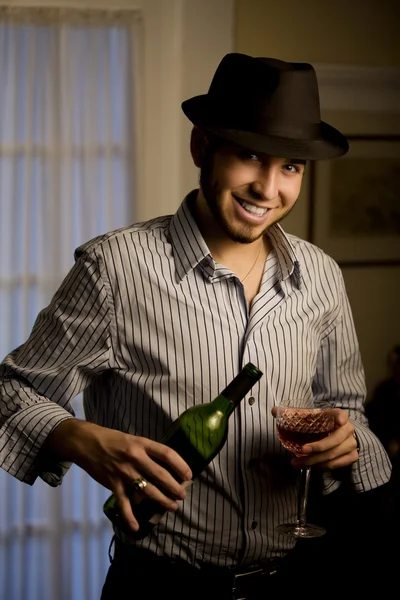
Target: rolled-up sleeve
(69, 345)
(339, 380)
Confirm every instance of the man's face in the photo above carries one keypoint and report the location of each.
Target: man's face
(246, 192)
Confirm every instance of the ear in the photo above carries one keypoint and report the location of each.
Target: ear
(198, 143)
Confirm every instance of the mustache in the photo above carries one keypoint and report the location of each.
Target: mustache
(248, 195)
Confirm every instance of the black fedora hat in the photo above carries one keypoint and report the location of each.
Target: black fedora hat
(266, 105)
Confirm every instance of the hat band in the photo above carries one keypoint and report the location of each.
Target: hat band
(249, 119)
(294, 130)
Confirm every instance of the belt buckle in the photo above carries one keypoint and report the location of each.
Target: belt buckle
(240, 580)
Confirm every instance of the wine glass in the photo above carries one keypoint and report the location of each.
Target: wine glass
(298, 426)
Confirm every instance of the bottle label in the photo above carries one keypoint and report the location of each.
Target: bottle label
(156, 518)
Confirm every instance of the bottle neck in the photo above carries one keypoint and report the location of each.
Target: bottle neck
(238, 388)
(234, 393)
(224, 404)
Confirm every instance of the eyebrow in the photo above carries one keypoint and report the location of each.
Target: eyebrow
(297, 161)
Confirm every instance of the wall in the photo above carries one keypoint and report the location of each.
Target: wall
(354, 32)
(360, 38)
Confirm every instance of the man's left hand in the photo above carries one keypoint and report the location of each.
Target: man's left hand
(337, 450)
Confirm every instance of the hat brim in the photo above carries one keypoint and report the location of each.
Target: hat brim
(330, 143)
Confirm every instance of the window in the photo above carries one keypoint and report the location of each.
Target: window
(67, 174)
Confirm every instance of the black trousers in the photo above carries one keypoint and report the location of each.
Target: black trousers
(141, 575)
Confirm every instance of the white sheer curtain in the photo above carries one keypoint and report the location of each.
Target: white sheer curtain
(67, 89)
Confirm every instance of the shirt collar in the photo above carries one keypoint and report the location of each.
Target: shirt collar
(190, 248)
(188, 244)
(287, 259)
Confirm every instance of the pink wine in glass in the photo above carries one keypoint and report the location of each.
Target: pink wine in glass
(299, 426)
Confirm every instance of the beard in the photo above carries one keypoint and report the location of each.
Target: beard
(212, 192)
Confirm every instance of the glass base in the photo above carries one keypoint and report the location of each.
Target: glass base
(301, 531)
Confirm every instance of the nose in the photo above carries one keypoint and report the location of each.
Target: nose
(266, 185)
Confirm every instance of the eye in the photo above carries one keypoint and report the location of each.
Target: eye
(250, 156)
(292, 168)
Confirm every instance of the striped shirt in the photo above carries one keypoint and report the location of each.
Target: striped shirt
(148, 324)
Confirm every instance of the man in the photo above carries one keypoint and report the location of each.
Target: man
(161, 315)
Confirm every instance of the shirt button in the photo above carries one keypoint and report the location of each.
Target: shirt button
(254, 524)
(251, 400)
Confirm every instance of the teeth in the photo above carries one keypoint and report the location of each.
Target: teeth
(253, 209)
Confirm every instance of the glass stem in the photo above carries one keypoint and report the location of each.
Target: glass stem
(304, 484)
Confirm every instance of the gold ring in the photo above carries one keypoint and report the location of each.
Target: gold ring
(139, 484)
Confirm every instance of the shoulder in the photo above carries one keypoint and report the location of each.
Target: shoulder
(127, 240)
(315, 265)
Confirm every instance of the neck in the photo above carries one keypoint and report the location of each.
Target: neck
(241, 259)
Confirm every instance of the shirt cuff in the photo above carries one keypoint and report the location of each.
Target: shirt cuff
(23, 435)
(371, 470)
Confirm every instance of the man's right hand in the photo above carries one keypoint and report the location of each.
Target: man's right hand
(115, 459)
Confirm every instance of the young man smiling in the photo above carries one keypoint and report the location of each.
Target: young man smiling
(161, 315)
(241, 195)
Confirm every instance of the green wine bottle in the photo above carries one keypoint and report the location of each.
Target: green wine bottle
(197, 435)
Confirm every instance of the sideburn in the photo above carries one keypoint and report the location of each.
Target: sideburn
(205, 180)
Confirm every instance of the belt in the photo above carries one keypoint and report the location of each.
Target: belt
(255, 578)
(238, 583)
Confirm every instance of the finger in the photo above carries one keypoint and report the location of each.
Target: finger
(344, 460)
(341, 455)
(126, 497)
(337, 437)
(162, 479)
(341, 416)
(154, 493)
(168, 456)
(341, 461)
(125, 508)
(163, 467)
(159, 464)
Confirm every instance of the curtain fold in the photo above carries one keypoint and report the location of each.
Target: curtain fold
(67, 80)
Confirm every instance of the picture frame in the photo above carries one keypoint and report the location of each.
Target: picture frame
(355, 202)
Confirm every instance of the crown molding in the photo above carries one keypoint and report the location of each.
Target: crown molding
(359, 88)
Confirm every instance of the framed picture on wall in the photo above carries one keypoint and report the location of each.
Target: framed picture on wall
(355, 203)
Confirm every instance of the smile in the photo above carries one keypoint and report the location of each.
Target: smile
(255, 210)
